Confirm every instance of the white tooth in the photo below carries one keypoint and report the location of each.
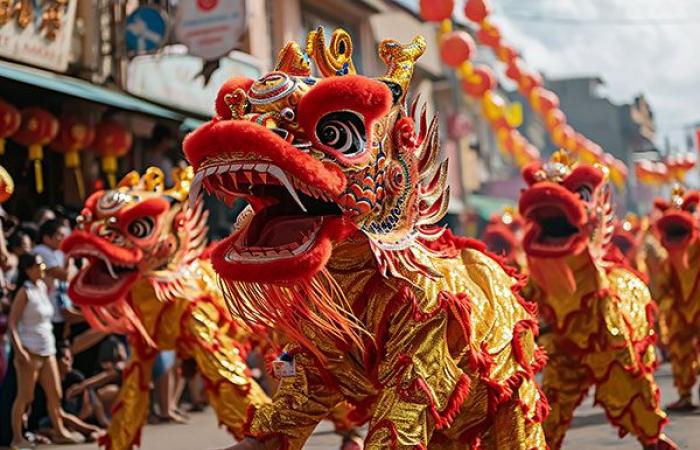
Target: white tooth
(109, 268)
(277, 173)
(195, 188)
(234, 167)
(210, 170)
(248, 166)
(222, 169)
(261, 167)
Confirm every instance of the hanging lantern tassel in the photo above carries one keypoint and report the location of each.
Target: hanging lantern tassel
(72, 161)
(109, 167)
(36, 155)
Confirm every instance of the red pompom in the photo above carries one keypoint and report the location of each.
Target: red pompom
(233, 83)
(456, 48)
(436, 10)
(476, 10)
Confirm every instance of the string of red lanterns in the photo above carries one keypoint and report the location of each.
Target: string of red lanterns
(657, 173)
(35, 127)
(456, 50)
(543, 101)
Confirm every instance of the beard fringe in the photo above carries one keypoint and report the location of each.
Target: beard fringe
(317, 305)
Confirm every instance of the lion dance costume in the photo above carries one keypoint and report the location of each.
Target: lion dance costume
(599, 311)
(418, 330)
(145, 277)
(678, 230)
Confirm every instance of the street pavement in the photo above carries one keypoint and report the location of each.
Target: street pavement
(589, 431)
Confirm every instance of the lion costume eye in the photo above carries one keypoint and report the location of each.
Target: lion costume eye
(343, 131)
(142, 227)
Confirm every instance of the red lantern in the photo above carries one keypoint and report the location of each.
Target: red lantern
(514, 71)
(73, 137)
(554, 119)
(10, 119)
(528, 82)
(542, 100)
(436, 10)
(38, 128)
(476, 10)
(112, 141)
(480, 81)
(456, 47)
(7, 185)
(506, 54)
(489, 35)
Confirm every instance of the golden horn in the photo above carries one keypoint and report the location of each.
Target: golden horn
(334, 60)
(153, 179)
(400, 61)
(292, 61)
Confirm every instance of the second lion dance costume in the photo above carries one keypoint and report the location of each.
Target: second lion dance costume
(145, 277)
(599, 310)
(421, 332)
(678, 227)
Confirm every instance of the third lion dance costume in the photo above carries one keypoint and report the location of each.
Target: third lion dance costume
(419, 331)
(145, 277)
(678, 230)
(599, 311)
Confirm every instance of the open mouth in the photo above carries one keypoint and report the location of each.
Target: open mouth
(551, 230)
(102, 279)
(676, 230)
(285, 217)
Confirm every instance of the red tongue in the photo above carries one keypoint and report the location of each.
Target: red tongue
(284, 230)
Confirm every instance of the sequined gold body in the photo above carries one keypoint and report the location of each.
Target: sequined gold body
(432, 344)
(681, 312)
(599, 313)
(174, 304)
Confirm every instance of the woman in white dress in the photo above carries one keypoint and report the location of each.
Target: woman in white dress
(34, 348)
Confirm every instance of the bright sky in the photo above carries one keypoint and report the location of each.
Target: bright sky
(636, 46)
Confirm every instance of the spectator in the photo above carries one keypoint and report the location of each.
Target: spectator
(18, 244)
(34, 348)
(44, 214)
(162, 141)
(77, 409)
(51, 234)
(103, 386)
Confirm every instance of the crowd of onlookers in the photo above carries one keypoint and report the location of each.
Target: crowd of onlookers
(59, 379)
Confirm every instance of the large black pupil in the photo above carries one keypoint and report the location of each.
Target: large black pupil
(329, 133)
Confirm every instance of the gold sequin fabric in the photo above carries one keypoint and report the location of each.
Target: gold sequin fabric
(602, 336)
(448, 362)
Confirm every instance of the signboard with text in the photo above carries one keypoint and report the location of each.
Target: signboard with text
(41, 42)
(210, 28)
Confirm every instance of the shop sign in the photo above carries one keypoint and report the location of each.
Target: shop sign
(145, 30)
(40, 35)
(210, 28)
(175, 80)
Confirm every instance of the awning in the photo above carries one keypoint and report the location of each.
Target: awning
(486, 206)
(85, 90)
